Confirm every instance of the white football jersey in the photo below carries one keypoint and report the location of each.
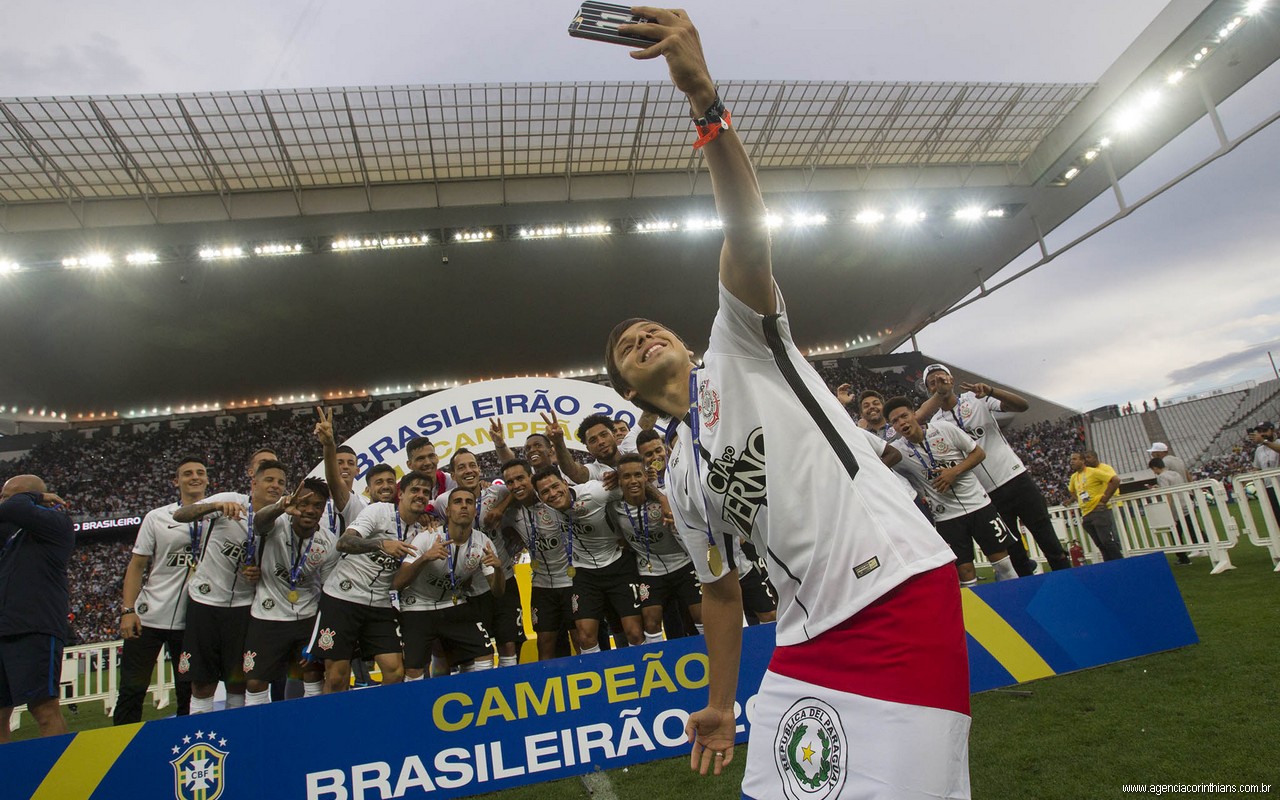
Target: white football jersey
(777, 446)
(292, 564)
(365, 578)
(976, 417)
(589, 537)
(944, 446)
(162, 603)
(217, 581)
(658, 548)
(455, 576)
(543, 533)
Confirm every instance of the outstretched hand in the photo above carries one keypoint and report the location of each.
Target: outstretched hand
(676, 39)
(712, 731)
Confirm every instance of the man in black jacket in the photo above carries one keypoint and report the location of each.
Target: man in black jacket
(36, 537)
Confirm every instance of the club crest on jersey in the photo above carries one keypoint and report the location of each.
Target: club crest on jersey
(472, 561)
(708, 404)
(644, 592)
(204, 588)
(574, 603)
(810, 751)
(143, 608)
(533, 615)
(739, 477)
(249, 657)
(325, 642)
(184, 663)
(199, 771)
(268, 604)
(345, 585)
(544, 515)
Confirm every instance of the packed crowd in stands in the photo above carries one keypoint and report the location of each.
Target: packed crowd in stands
(128, 475)
(95, 577)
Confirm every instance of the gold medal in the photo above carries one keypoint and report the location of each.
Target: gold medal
(713, 560)
(455, 599)
(571, 571)
(292, 596)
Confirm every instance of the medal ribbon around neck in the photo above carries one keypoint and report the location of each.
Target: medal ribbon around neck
(695, 428)
(533, 539)
(299, 560)
(568, 541)
(642, 530)
(931, 468)
(250, 547)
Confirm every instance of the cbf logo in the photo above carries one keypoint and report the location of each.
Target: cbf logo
(199, 771)
(810, 751)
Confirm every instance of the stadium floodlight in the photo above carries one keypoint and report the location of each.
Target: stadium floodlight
(995, 213)
(702, 224)
(1175, 77)
(1104, 143)
(658, 226)
(910, 216)
(278, 249)
(7, 267)
(1254, 7)
(1091, 154)
(94, 261)
(1070, 173)
(141, 257)
(216, 253)
(868, 217)
(1128, 119)
(772, 221)
(969, 213)
(806, 220)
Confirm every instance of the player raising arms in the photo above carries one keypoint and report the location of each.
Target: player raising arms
(871, 643)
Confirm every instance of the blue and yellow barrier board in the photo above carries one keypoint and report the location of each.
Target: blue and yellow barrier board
(480, 732)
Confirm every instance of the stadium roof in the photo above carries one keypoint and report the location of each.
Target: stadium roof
(345, 203)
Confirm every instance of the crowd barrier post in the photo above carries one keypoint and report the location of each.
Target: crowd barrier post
(1264, 484)
(92, 672)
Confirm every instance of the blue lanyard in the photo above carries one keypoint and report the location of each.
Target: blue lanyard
(956, 416)
(695, 426)
(249, 549)
(195, 531)
(642, 530)
(568, 535)
(931, 468)
(332, 516)
(533, 538)
(295, 571)
(453, 577)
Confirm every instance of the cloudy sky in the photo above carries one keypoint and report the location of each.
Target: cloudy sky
(1179, 297)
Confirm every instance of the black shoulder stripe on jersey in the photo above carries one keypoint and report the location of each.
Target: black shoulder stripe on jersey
(789, 373)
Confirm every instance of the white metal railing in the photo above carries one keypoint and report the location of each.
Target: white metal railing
(1256, 484)
(1172, 520)
(1176, 520)
(92, 672)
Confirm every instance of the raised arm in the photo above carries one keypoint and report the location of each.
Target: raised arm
(745, 268)
(564, 459)
(1009, 401)
(500, 448)
(332, 475)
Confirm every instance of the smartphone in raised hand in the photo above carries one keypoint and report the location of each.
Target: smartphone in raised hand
(600, 21)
